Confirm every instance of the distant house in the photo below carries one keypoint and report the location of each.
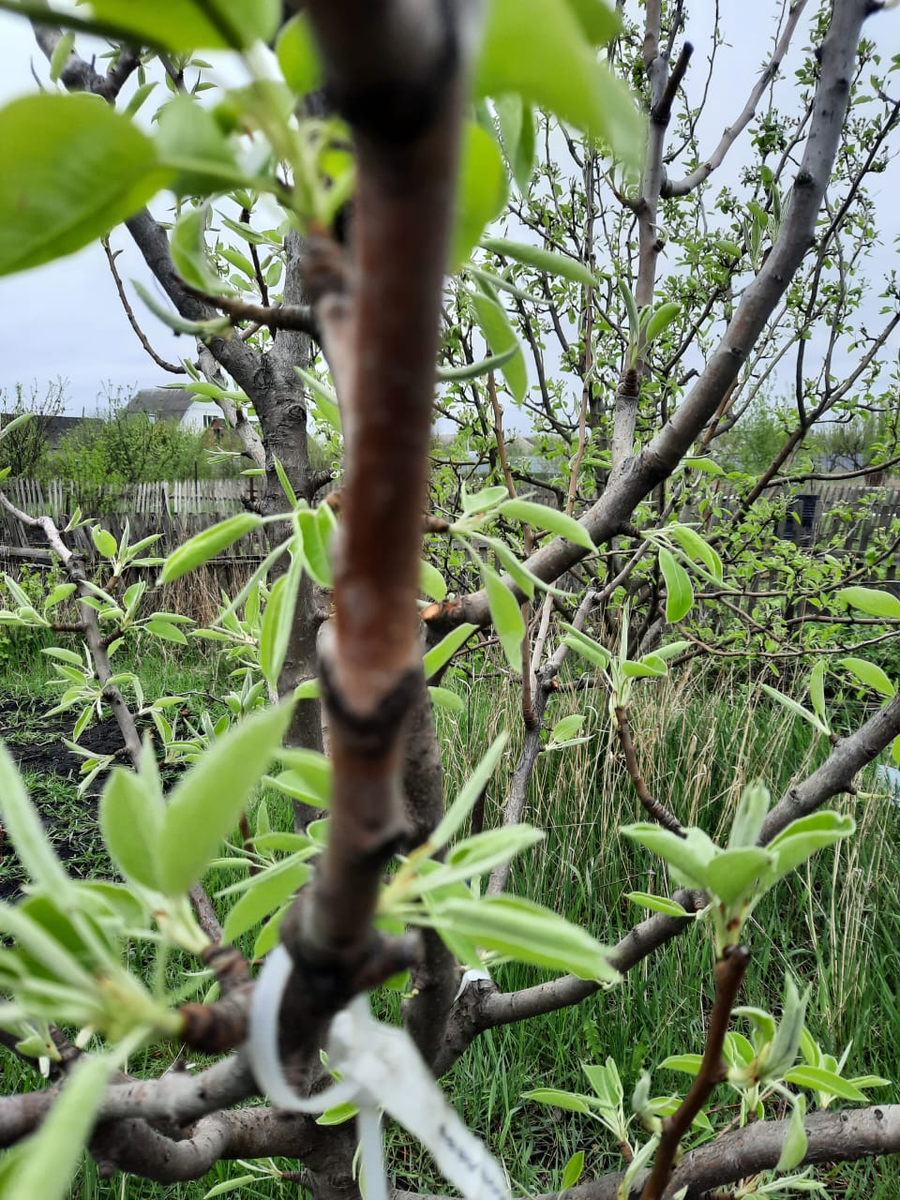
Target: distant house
(51, 429)
(174, 404)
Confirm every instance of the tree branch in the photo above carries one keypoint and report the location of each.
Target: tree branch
(846, 1136)
(732, 132)
(173, 368)
(730, 970)
(653, 807)
(659, 458)
(299, 318)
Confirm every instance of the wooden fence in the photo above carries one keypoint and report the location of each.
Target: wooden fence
(174, 511)
(850, 514)
(178, 510)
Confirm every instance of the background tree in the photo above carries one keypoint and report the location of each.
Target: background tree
(27, 444)
(397, 78)
(128, 447)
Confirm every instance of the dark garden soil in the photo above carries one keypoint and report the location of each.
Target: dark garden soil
(52, 775)
(36, 741)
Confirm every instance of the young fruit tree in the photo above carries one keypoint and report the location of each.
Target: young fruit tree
(323, 242)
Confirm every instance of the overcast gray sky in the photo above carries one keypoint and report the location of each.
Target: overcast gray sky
(65, 319)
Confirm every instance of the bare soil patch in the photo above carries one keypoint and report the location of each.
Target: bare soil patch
(51, 773)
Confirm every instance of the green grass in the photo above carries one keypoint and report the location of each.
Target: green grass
(699, 739)
(834, 924)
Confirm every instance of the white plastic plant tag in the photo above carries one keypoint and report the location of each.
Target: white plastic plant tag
(472, 976)
(380, 1068)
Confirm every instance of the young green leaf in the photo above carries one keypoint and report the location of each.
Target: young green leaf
(518, 573)
(444, 698)
(60, 55)
(506, 616)
(697, 548)
(230, 1185)
(204, 546)
(267, 891)
(327, 408)
(500, 337)
(206, 803)
(188, 245)
(104, 541)
(570, 1101)
(132, 815)
(544, 517)
(475, 370)
(803, 837)
(606, 1082)
(166, 631)
(869, 674)
(660, 904)
(871, 601)
(459, 810)
(793, 1151)
(690, 1064)
(315, 549)
(431, 581)
(796, 708)
(481, 190)
(680, 592)
(820, 1080)
(541, 51)
(702, 464)
(661, 319)
(59, 959)
(630, 305)
(689, 856)
(278, 619)
(478, 855)
(80, 169)
(309, 772)
(547, 261)
(183, 25)
(586, 647)
(567, 728)
(298, 56)
(781, 1053)
(54, 1153)
(651, 666)
(338, 1115)
(216, 327)
(572, 1171)
(438, 656)
(483, 500)
(732, 874)
(763, 1024)
(527, 933)
(751, 812)
(512, 113)
(25, 831)
(817, 691)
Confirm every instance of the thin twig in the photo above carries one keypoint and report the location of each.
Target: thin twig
(99, 653)
(730, 971)
(651, 805)
(173, 368)
(299, 317)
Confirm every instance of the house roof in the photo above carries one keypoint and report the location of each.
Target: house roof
(52, 428)
(57, 427)
(169, 404)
